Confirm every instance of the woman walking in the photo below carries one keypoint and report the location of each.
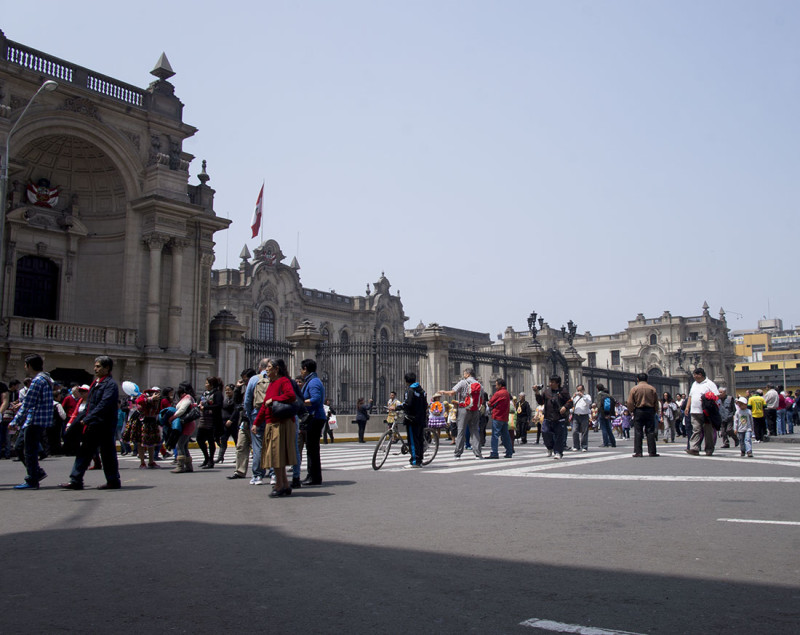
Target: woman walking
(185, 395)
(210, 421)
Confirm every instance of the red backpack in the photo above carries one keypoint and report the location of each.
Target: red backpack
(475, 397)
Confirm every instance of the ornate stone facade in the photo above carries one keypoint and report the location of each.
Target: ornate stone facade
(120, 265)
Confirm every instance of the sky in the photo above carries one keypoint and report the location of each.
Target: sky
(589, 160)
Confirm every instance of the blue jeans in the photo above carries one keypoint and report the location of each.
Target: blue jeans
(781, 422)
(746, 441)
(257, 441)
(500, 431)
(33, 436)
(608, 435)
(296, 466)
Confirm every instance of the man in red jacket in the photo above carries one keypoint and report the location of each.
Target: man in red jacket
(499, 403)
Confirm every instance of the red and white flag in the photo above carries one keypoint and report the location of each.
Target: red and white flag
(255, 223)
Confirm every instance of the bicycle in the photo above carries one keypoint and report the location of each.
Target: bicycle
(430, 438)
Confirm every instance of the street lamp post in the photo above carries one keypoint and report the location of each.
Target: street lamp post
(48, 86)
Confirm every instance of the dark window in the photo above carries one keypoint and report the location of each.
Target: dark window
(266, 324)
(384, 335)
(653, 339)
(773, 367)
(615, 358)
(592, 360)
(748, 368)
(693, 337)
(344, 340)
(36, 292)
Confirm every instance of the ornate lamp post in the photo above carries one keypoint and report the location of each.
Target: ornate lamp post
(49, 86)
(532, 326)
(572, 329)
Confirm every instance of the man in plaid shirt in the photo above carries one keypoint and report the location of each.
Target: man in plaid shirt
(34, 415)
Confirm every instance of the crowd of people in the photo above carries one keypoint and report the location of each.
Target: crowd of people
(271, 418)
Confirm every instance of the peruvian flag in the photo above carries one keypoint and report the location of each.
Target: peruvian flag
(255, 222)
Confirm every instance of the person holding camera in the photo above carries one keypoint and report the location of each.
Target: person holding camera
(556, 402)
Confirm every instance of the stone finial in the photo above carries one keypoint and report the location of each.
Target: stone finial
(245, 255)
(203, 176)
(163, 69)
(295, 265)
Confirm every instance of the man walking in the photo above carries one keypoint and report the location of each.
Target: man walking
(99, 423)
(468, 421)
(771, 400)
(34, 416)
(243, 440)
(524, 414)
(556, 402)
(581, 407)
(642, 402)
(701, 429)
(606, 411)
(499, 403)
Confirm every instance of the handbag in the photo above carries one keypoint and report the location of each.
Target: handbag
(282, 410)
(332, 425)
(193, 414)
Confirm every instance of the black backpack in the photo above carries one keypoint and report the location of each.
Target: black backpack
(419, 406)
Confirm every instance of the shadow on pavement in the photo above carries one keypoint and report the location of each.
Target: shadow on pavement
(194, 577)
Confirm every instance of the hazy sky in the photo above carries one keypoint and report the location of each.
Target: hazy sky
(589, 160)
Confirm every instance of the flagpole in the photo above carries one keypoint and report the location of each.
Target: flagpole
(261, 229)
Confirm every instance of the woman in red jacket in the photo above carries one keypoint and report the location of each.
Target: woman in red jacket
(279, 446)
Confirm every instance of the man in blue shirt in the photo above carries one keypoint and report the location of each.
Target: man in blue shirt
(252, 404)
(34, 416)
(314, 397)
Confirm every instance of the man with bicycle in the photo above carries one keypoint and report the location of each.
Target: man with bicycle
(415, 407)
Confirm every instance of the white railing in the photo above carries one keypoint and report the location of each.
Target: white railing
(50, 331)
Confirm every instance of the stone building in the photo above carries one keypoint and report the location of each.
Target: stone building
(107, 247)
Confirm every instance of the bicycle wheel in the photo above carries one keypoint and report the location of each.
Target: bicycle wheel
(430, 437)
(382, 450)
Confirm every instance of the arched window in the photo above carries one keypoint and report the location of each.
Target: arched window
(344, 339)
(384, 337)
(36, 293)
(326, 333)
(653, 339)
(266, 324)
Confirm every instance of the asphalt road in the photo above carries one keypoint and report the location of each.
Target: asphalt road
(601, 540)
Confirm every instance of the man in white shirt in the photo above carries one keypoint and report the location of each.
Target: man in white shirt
(772, 399)
(582, 406)
(701, 429)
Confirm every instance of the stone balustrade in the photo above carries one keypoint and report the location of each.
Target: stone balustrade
(47, 331)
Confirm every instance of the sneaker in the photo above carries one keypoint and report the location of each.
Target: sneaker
(273, 480)
(549, 453)
(26, 485)
(256, 480)
(558, 457)
(457, 457)
(749, 455)
(411, 466)
(585, 449)
(576, 449)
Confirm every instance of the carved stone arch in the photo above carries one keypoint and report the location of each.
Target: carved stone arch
(116, 147)
(266, 293)
(384, 334)
(326, 330)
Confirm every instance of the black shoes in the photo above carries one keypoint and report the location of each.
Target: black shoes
(296, 484)
(235, 475)
(71, 485)
(279, 493)
(110, 486)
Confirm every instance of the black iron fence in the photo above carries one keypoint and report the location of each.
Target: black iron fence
(255, 350)
(489, 366)
(619, 383)
(368, 370)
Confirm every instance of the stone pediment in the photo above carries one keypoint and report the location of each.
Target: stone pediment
(44, 218)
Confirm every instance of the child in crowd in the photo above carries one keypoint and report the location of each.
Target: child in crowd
(625, 424)
(743, 425)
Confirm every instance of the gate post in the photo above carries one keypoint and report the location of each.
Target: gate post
(306, 338)
(435, 369)
(226, 345)
(574, 363)
(537, 355)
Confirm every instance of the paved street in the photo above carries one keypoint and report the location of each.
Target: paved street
(674, 544)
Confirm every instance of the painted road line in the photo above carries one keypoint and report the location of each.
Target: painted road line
(759, 522)
(561, 627)
(552, 465)
(663, 478)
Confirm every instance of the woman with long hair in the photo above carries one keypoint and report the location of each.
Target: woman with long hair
(210, 420)
(279, 435)
(669, 414)
(185, 395)
(230, 421)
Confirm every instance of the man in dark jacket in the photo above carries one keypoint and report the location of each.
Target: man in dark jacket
(99, 424)
(415, 407)
(524, 414)
(556, 402)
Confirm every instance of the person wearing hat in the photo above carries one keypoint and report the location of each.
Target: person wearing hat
(149, 405)
(743, 425)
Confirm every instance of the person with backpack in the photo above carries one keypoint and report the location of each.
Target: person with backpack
(557, 403)
(606, 412)
(253, 399)
(415, 407)
(468, 392)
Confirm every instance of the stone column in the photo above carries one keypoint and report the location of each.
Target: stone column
(155, 242)
(306, 338)
(574, 364)
(435, 369)
(536, 353)
(177, 246)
